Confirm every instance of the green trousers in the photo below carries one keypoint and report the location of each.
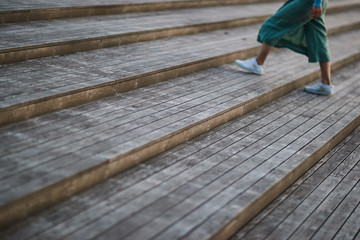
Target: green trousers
(293, 27)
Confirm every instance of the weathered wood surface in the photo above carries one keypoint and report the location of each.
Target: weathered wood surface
(88, 135)
(31, 40)
(191, 190)
(13, 12)
(44, 155)
(62, 81)
(37, 39)
(47, 32)
(323, 204)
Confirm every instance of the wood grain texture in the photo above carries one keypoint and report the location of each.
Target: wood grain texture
(203, 183)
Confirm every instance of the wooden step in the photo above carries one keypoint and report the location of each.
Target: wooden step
(31, 40)
(210, 186)
(49, 158)
(34, 10)
(62, 82)
(322, 204)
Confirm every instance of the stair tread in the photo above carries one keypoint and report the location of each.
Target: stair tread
(192, 189)
(56, 76)
(104, 129)
(322, 204)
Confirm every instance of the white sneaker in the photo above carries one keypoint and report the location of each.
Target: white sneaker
(251, 65)
(320, 89)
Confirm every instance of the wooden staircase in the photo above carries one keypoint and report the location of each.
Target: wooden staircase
(138, 125)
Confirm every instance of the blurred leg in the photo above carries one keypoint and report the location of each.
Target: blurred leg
(263, 53)
(325, 68)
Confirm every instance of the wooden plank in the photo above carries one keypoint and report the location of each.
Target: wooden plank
(351, 227)
(344, 207)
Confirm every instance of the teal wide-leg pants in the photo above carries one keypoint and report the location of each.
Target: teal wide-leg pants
(293, 27)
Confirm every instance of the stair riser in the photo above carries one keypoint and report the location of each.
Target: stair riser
(69, 47)
(71, 12)
(272, 193)
(38, 200)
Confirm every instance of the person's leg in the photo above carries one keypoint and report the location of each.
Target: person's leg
(325, 68)
(255, 65)
(263, 53)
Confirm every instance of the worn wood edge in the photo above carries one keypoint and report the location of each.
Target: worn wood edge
(256, 206)
(41, 106)
(14, 16)
(36, 201)
(13, 55)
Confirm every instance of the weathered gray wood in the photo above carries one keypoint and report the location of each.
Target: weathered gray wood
(177, 168)
(193, 145)
(225, 207)
(315, 208)
(351, 227)
(271, 218)
(31, 11)
(81, 72)
(36, 39)
(105, 151)
(97, 141)
(199, 180)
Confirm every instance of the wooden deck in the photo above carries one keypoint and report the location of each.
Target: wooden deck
(164, 138)
(187, 190)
